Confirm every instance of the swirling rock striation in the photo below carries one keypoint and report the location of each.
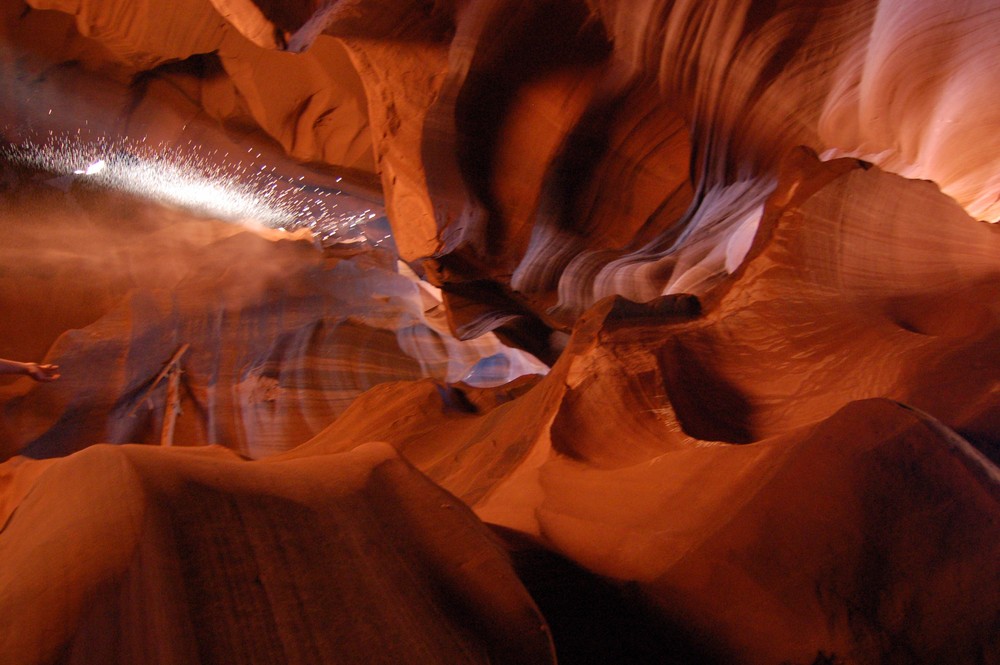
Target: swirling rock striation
(773, 429)
(747, 460)
(547, 150)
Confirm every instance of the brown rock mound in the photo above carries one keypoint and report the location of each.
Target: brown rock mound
(134, 554)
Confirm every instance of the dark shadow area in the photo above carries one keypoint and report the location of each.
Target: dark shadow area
(597, 620)
(707, 405)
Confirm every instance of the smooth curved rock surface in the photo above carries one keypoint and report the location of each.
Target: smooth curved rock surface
(137, 554)
(825, 532)
(771, 426)
(174, 75)
(537, 156)
(283, 336)
(551, 115)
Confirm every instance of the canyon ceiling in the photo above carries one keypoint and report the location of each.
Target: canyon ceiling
(445, 331)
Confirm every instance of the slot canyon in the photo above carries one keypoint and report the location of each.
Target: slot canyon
(500, 331)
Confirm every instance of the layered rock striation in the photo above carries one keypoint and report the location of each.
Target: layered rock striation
(280, 335)
(135, 554)
(744, 237)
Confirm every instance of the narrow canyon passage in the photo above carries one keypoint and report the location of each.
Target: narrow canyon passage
(499, 331)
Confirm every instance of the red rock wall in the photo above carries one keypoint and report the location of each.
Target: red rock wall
(771, 426)
(283, 336)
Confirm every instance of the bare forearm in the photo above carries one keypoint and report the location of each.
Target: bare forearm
(12, 367)
(34, 370)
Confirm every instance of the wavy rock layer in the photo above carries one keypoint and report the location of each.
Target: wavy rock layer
(785, 453)
(539, 157)
(845, 517)
(134, 554)
(547, 152)
(176, 75)
(282, 336)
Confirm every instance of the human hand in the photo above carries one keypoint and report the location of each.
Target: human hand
(42, 372)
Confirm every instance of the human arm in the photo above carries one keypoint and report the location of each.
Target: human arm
(34, 370)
